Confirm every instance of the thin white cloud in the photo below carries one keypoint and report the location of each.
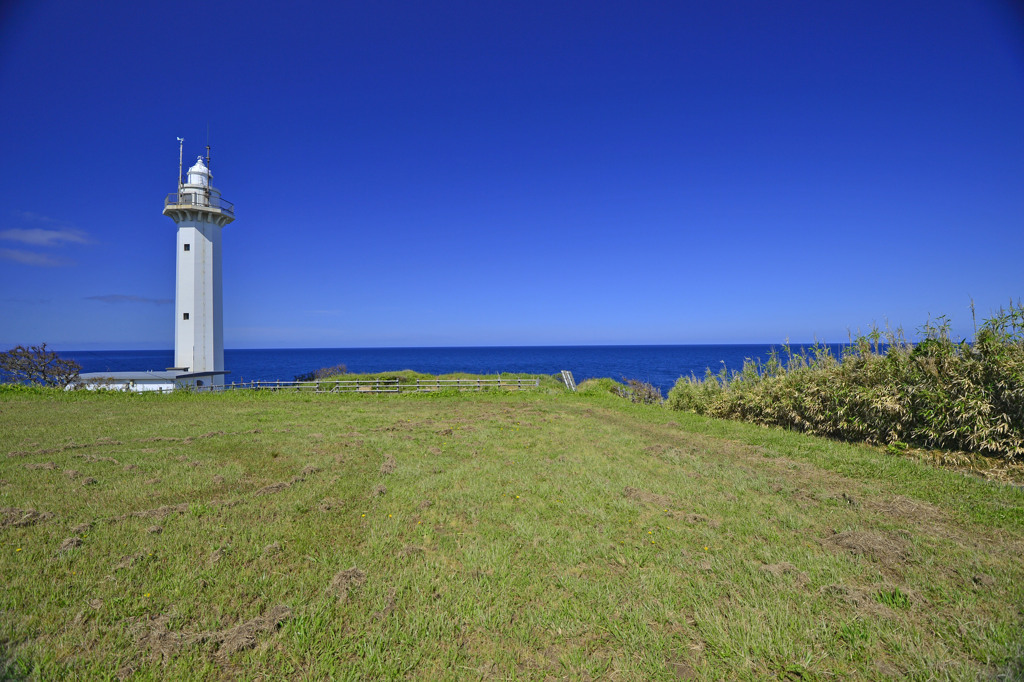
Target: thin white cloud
(42, 260)
(127, 298)
(38, 236)
(37, 218)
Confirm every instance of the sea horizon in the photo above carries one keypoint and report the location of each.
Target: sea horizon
(658, 364)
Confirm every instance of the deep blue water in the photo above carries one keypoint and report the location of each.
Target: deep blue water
(659, 365)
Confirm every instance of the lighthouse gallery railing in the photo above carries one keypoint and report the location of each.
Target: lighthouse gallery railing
(200, 201)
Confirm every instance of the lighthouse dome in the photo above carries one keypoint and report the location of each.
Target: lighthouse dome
(199, 174)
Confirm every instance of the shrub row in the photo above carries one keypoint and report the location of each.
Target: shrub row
(936, 393)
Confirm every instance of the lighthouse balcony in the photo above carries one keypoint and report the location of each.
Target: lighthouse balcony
(199, 201)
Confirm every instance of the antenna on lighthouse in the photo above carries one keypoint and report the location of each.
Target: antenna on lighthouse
(181, 144)
(209, 176)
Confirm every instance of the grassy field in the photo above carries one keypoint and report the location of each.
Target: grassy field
(533, 535)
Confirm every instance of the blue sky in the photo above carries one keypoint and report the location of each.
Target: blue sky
(527, 173)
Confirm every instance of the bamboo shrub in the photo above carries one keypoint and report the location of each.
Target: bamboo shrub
(936, 393)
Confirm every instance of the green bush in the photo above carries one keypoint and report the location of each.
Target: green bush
(937, 393)
(599, 386)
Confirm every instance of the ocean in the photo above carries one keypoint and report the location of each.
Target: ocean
(658, 365)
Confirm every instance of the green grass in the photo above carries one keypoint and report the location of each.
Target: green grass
(527, 535)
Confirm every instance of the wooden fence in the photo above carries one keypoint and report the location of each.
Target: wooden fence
(381, 385)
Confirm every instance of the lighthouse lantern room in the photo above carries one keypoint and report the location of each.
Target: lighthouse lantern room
(200, 214)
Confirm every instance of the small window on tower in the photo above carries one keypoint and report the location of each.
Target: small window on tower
(184, 316)
(188, 247)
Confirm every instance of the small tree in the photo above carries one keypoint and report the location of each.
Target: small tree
(640, 392)
(322, 373)
(36, 365)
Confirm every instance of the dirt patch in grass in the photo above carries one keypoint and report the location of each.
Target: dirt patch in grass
(847, 499)
(426, 504)
(218, 479)
(211, 434)
(329, 503)
(699, 518)
(162, 511)
(189, 439)
(20, 518)
(863, 599)
(153, 635)
(244, 636)
(983, 580)
(281, 486)
(908, 508)
(784, 568)
(647, 497)
(72, 473)
(64, 448)
(96, 458)
(273, 488)
(69, 544)
(82, 528)
(345, 582)
(128, 561)
(682, 670)
(47, 466)
(389, 465)
(158, 513)
(888, 550)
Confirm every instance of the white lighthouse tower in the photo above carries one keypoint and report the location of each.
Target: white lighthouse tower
(200, 214)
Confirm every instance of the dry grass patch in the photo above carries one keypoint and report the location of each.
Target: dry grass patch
(20, 518)
(344, 582)
(155, 638)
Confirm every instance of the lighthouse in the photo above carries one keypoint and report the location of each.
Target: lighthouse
(200, 214)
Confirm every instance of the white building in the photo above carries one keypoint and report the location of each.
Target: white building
(138, 382)
(200, 214)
